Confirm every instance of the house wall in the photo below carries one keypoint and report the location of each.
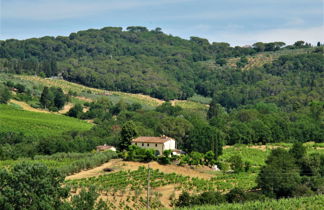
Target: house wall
(170, 145)
(154, 146)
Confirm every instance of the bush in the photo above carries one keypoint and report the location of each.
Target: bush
(236, 163)
(5, 94)
(212, 198)
(135, 153)
(236, 195)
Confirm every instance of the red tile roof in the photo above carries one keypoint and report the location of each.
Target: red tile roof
(151, 139)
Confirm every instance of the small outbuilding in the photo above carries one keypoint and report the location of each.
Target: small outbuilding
(159, 144)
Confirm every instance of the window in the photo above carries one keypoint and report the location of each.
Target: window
(142, 144)
(155, 145)
(148, 144)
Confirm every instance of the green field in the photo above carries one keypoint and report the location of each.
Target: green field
(33, 124)
(313, 202)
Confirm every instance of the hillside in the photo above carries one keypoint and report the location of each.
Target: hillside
(137, 60)
(168, 181)
(88, 94)
(37, 125)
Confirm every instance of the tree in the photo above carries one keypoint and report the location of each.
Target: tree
(127, 133)
(211, 197)
(299, 44)
(204, 138)
(259, 46)
(209, 158)
(5, 94)
(236, 195)
(167, 108)
(280, 176)
(75, 111)
(184, 200)
(175, 127)
(316, 109)
(318, 44)
(85, 200)
(242, 62)
(298, 151)
(215, 109)
(59, 98)
(221, 61)
(31, 186)
(46, 98)
(236, 163)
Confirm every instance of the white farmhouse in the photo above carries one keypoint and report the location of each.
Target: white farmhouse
(159, 144)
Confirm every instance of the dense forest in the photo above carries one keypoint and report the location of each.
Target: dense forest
(141, 61)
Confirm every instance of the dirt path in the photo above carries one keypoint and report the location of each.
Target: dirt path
(27, 107)
(118, 165)
(95, 171)
(66, 108)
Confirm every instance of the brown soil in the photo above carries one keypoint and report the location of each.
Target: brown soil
(84, 98)
(66, 108)
(95, 171)
(118, 164)
(27, 107)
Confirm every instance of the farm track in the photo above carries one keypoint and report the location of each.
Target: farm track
(118, 165)
(27, 107)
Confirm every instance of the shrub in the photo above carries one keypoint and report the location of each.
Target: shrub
(236, 163)
(236, 195)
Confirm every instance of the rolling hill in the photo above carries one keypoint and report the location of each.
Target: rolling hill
(137, 60)
(32, 124)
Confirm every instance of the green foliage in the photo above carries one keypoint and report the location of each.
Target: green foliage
(85, 200)
(127, 133)
(65, 163)
(76, 111)
(242, 62)
(5, 94)
(298, 151)
(314, 202)
(237, 164)
(210, 197)
(221, 61)
(135, 153)
(53, 98)
(280, 176)
(31, 186)
(236, 195)
(167, 108)
(204, 138)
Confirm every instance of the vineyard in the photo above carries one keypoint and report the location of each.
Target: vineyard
(124, 188)
(129, 187)
(313, 202)
(37, 124)
(66, 163)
